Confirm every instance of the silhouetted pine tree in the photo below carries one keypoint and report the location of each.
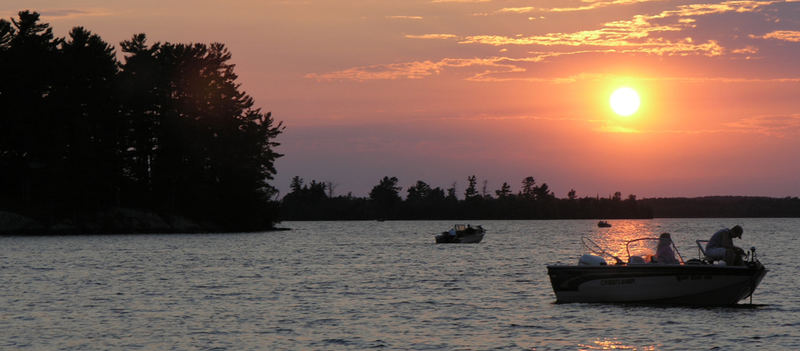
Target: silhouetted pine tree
(201, 146)
(84, 102)
(32, 142)
(169, 129)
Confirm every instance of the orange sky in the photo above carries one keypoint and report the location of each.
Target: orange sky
(438, 90)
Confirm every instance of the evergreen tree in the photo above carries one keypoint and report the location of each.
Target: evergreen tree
(471, 193)
(92, 171)
(32, 142)
(504, 191)
(528, 188)
(386, 196)
(572, 195)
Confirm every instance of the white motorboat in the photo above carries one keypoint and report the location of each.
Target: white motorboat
(642, 279)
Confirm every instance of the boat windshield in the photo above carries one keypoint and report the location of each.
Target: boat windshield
(653, 250)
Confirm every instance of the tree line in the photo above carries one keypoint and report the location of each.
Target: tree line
(724, 207)
(167, 128)
(316, 201)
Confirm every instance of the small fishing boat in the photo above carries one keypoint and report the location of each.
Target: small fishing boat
(644, 279)
(461, 234)
(603, 224)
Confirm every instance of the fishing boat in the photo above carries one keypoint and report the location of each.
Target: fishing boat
(643, 279)
(461, 234)
(603, 224)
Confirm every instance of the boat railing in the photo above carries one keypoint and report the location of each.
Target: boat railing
(672, 243)
(598, 250)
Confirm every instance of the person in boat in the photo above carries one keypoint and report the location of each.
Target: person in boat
(452, 231)
(720, 246)
(664, 253)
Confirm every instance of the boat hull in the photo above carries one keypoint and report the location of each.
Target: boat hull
(700, 285)
(472, 238)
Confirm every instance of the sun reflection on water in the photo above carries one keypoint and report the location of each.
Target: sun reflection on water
(613, 239)
(613, 344)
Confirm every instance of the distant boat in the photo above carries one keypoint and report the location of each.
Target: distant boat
(461, 234)
(603, 224)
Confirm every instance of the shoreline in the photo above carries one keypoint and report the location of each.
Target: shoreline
(115, 221)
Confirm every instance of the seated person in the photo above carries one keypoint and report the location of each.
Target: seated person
(720, 246)
(664, 252)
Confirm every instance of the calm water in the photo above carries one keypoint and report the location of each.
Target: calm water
(369, 285)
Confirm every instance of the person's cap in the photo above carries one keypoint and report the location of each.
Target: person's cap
(664, 236)
(737, 230)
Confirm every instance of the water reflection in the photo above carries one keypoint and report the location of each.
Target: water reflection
(613, 344)
(613, 239)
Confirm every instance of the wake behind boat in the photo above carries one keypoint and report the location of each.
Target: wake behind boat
(461, 233)
(648, 279)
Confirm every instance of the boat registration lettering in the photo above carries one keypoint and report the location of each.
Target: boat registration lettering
(614, 282)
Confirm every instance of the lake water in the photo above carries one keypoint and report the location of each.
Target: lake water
(370, 285)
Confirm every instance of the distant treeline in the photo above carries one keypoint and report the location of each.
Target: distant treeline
(723, 206)
(316, 201)
(167, 130)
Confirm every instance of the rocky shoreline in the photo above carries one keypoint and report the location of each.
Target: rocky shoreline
(111, 221)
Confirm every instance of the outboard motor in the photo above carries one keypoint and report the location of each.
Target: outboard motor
(591, 260)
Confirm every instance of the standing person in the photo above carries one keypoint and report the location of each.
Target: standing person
(720, 246)
(664, 252)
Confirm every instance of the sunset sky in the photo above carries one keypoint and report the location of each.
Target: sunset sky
(438, 90)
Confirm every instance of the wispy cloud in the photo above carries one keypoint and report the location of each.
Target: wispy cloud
(618, 129)
(415, 70)
(73, 13)
(657, 34)
(416, 18)
(640, 31)
(779, 126)
(635, 35)
(502, 68)
(431, 36)
(786, 35)
(439, 1)
(51, 14)
(590, 5)
(515, 10)
(770, 125)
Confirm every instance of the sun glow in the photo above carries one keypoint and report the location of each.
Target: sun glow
(625, 101)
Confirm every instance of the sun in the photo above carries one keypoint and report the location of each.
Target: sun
(624, 101)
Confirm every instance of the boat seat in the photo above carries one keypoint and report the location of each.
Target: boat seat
(701, 245)
(636, 260)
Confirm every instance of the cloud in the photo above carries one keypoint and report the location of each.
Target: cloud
(431, 36)
(657, 34)
(596, 4)
(73, 13)
(640, 31)
(635, 35)
(416, 18)
(785, 35)
(770, 125)
(492, 69)
(515, 10)
(618, 129)
(415, 69)
(464, 1)
(780, 126)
